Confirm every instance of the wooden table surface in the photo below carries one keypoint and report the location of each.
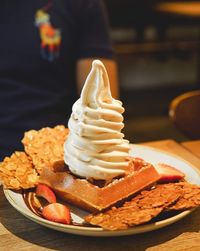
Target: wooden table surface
(20, 233)
(188, 9)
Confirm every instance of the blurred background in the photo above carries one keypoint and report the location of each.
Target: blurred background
(157, 48)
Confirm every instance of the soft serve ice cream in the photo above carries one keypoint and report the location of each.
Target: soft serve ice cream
(95, 148)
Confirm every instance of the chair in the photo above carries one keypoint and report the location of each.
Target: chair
(185, 113)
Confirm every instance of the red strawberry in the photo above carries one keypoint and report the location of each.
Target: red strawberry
(57, 212)
(45, 192)
(168, 173)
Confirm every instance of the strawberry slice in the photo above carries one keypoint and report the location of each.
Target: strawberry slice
(57, 212)
(45, 192)
(168, 173)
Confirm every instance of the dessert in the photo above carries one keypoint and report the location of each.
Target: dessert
(95, 150)
(89, 166)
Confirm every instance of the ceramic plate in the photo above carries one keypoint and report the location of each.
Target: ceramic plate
(149, 154)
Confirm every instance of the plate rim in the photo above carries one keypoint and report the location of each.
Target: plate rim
(170, 154)
(95, 231)
(98, 231)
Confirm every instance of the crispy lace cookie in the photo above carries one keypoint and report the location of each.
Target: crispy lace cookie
(189, 199)
(45, 147)
(142, 208)
(17, 172)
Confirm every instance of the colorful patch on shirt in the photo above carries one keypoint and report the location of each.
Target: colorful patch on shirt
(49, 35)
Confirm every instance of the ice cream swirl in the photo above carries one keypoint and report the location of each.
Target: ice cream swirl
(95, 147)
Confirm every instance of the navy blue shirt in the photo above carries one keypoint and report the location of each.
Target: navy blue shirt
(38, 52)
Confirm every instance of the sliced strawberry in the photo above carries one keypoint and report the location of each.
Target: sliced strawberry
(45, 192)
(168, 173)
(57, 212)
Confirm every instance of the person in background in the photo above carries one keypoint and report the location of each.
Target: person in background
(46, 51)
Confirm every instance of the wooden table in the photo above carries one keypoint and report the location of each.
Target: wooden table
(188, 9)
(19, 233)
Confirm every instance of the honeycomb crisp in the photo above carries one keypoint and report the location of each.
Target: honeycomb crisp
(142, 208)
(17, 172)
(45, 147)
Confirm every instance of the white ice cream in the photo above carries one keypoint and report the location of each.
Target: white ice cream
(95, 147)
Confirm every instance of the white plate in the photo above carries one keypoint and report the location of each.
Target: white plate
(147, 153)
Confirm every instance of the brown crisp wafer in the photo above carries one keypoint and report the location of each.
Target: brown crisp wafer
(17, 172)
(162, 195)
(142, 208)
(45, 147)
(189, 199)
(122, 218)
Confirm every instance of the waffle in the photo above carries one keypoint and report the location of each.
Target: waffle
(93, 198)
